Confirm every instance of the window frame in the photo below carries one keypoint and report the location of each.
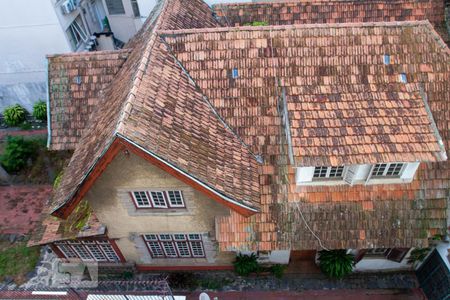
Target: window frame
(328, 172)
(385, 171)
(77, 32)
(135, 8)
(174, 244)
(75, 245)
(165, 197)
(123, 12)
(136, 203)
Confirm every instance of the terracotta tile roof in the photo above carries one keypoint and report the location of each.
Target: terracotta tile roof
(81, 223)
(345, 105)
(151, 103)
(75, 83)
(322, 11)
(317, 62)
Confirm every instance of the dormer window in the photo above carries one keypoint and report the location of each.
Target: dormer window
(387, 170)
(380, 173)
(328, 172)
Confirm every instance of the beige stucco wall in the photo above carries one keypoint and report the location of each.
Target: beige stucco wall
(110, 199)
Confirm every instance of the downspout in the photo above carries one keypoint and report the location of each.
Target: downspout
(49, 128)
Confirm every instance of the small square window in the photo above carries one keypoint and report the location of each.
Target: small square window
(394, 169)
(158, 199)
(320, 172)
(175, 199)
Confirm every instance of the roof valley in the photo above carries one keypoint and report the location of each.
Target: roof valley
(258, 157)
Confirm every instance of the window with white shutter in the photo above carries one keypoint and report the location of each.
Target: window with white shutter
(175, 245)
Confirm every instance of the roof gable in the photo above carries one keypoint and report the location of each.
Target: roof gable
(150, 100)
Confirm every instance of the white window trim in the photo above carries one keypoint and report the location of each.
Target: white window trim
(327, 175)
(173, 241)
(153, 200)
(305, 176)
(384, 175)
(136, 201)
(72, 245)
(182, 205)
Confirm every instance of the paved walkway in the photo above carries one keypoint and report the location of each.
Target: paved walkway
(21, 207)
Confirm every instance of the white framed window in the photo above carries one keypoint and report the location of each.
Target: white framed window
(387, 170)
(334, 172)
(158, 199)
(92, 250)
(175, 199)
(141, 199)
(67, 251)
(174, 245)
(115, 7)
(77, 33)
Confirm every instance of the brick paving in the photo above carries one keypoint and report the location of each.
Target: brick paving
(7, 132)
(21, 207)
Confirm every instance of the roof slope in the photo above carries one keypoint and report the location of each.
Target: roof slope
(345, 105)
(75, 83)
(341, 216)
(291, 12)
(144, 106)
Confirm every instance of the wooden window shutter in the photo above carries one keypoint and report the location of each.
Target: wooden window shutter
(397, 254)
(304, 174)
(350, 173)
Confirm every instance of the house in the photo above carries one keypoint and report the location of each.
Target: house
(201, 139)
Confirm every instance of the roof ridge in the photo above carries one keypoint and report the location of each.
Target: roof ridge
(272, 2)
(140, 70)
(92, 53)
(295, 26)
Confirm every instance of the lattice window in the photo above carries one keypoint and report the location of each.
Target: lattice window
(328, 172)
(175, 245)
(387, 170)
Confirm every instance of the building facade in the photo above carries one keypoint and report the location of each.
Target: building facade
(321, 129)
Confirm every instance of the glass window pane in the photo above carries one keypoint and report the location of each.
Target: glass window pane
(115, 7)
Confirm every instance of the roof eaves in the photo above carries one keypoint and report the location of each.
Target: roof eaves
(86, 175)
(442, 154)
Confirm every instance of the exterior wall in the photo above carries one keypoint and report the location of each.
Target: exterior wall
(124, 26)
(371, 263)
(28, 31)
(112, 203)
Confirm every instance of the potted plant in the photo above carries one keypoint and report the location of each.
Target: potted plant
(14, 115)
(336, 263)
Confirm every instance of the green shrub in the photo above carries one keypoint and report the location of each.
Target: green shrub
(336, 263)
(417, 255)
(40, 111)
(57, 180)
(246, 264)
(17, 152)
(278, 270)
(14, 115)
(257, 23)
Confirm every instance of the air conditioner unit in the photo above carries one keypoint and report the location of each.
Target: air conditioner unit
(68, 6)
